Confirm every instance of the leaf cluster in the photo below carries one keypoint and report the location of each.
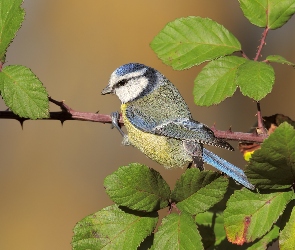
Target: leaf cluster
(190, 41)
(139, 193)
(196, 217)
(21, 90)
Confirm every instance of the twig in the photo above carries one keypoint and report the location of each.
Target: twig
(244, 55)
(68, 113)
(261, 128)
(239, 136)
(262, 43)
(260, 124)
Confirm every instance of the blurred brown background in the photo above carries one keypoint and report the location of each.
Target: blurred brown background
(51, 176)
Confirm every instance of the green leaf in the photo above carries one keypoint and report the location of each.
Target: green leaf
(255, 79)
(287, 239)
(249, 216)
(255, 11)
(11, 17)
(279, 59)
(266, 240)
(191, 181)
(279, 12)
(177, 231)
(211, 228)
(272, 14)
(273, 165)
(197, 191)
(190, 41)
(216, 81)
(23, 92)
(138, 187)
(113, 228)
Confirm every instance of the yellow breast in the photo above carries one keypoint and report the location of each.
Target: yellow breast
(168, 152)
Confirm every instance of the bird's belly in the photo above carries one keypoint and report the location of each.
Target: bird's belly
(166, 151)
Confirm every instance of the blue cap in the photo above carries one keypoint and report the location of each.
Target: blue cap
(129, 68)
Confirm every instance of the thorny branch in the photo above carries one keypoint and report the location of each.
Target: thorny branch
(262, 43)
(261, 128)
(68, 113)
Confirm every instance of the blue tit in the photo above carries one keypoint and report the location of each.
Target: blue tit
(160, 124)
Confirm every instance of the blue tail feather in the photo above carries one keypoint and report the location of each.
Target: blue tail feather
(231, 170)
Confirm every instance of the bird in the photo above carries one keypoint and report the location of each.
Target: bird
(159, 122)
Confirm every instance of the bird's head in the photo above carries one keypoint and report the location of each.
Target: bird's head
(132, 81)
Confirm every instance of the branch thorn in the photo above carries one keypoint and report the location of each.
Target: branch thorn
(21, 122)
(213, 128)
(230, 130)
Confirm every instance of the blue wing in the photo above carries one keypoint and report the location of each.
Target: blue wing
(178, 128)
(140, 120)
(231, 170)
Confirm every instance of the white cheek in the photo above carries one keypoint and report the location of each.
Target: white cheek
(132, 89)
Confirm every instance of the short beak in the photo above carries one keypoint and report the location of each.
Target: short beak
(107, 90)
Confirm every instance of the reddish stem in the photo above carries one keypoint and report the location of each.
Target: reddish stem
(261, 128)
(68, 113)
(244, 55)
(262, 43)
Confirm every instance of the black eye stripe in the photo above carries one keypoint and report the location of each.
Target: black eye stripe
(122, 83)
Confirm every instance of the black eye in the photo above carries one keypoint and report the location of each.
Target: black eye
(121, 83)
